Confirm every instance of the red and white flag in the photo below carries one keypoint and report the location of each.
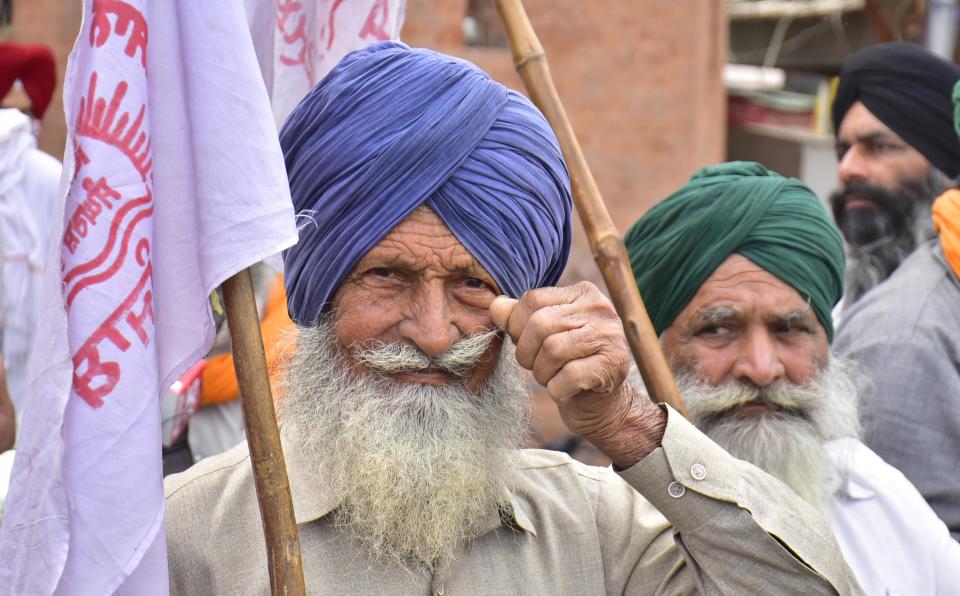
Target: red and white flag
(299, 41)
(174, 181)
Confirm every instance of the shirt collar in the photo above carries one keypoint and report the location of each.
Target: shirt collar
(850, 489)
(314, 498)
(845, 480)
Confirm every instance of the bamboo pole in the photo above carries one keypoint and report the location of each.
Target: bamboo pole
(606, 244)
(263, 437)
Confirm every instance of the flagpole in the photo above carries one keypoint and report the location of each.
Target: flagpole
(608, 249)
(263, 438)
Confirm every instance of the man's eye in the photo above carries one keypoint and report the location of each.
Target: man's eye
(791, 328)
(880, 148)
(473, 282)
(383, 272)
(713, 331)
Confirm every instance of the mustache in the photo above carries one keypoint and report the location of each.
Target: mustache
(710, 404)
(458, 360)
(897, 210)
(891, 217)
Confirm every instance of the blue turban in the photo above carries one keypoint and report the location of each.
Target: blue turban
(392, 128)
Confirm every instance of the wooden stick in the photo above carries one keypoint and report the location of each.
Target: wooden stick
(606, 244)
(263, 437)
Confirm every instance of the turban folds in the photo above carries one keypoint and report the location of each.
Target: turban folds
(34, 66)
(908, 89)
(738, 207)
(392, 128)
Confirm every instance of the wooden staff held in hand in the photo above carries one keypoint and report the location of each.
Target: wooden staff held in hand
(605, 243)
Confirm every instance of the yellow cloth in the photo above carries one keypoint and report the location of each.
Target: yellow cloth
(946, 219)
(219, 383)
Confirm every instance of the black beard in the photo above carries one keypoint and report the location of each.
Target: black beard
(895, 214)
(881, 238)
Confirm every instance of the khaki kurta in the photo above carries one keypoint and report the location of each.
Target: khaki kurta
(570, 529)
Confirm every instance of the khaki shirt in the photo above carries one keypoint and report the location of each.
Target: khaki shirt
(569, 529)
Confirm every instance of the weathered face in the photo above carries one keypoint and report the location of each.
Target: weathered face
(745, 325)
(871, 153)
(418, 286)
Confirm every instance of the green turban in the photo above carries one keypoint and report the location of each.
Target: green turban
(738, 207)
(956, 107)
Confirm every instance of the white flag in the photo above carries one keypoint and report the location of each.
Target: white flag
(174, 181)
(299, 41)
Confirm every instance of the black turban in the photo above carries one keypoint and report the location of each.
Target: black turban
(909, 89)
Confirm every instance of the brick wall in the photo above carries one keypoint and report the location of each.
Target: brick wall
(640, 80)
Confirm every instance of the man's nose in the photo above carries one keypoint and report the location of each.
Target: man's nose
(430, 325)
(759, 362)
(853, 166)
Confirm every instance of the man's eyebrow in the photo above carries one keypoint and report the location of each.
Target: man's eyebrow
(706, 316)
(800, 315)
(715, 314)
(879, 135)
(412, 265)
(868, 137)
(398, 262)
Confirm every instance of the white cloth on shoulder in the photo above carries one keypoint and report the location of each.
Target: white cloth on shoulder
(892, 540)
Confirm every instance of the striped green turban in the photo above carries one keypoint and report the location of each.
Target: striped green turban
(956, 107)
(738, 207)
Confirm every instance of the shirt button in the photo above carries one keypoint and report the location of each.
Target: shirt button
(676, 490)
(698, 471)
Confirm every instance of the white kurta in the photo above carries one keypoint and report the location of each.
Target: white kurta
(29, 188)
(891, 538)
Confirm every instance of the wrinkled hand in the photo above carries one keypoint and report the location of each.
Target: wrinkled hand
(572, 340)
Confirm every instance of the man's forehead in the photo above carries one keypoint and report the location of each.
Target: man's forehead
(722, 310)
(859, 123)
(422, 239)
(739, 282)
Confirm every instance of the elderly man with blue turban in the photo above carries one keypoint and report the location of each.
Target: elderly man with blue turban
(740, 269)
(425, 191)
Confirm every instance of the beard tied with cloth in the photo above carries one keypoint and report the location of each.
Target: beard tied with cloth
(416, 468)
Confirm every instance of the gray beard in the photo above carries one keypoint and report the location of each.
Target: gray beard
(787, 443)
(419, 469)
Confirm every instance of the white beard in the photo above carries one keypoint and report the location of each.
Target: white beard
(418, 467)
(787, 443)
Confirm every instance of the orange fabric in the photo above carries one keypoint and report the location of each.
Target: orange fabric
(946, 219)
(220, 380)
